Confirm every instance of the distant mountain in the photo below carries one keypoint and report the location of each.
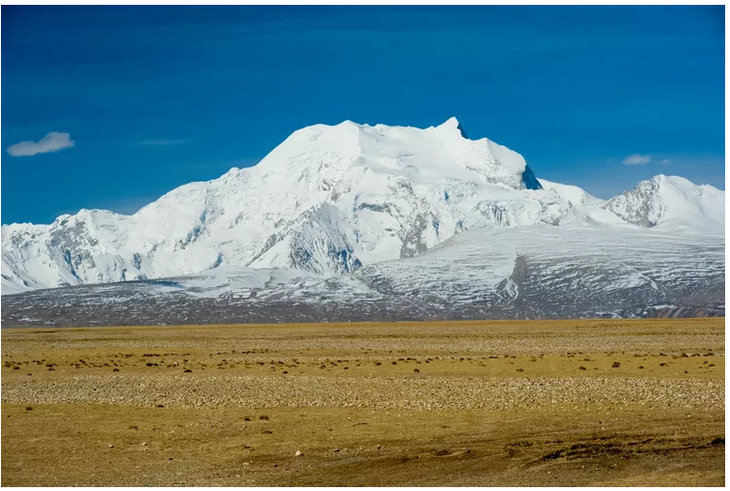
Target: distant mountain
(671, 201)
(375, 204)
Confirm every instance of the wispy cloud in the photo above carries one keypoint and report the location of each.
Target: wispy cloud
(637, 159)
(161, 143)
(52, 142)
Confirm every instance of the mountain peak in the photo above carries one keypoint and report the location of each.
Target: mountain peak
(454, 124)
(661, 179)
(671, 201)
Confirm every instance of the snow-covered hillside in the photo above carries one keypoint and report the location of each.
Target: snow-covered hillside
(535, 271)
(331, 200)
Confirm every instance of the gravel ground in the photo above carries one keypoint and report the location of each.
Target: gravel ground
(411, 392)
(435, 340)
(572, 403)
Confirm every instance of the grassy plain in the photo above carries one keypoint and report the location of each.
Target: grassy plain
(585, 402)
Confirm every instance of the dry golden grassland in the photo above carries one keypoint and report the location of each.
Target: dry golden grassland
(589, 402)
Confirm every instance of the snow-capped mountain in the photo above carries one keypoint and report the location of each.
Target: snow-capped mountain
(332, 200)
(671, 201)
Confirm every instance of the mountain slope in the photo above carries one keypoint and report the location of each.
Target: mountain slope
(537, 271)
(569, 271)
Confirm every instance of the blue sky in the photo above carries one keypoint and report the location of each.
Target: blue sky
(155, 97)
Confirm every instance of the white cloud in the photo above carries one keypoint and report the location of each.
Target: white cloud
(52, 142)
(664, 161)
(637, 159)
